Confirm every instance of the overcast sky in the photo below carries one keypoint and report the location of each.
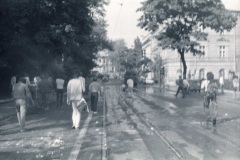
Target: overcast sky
(122, 19)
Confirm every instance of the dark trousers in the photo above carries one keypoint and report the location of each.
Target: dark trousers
(94, 100)
(59, 97)
(182, 89)
(44, 99)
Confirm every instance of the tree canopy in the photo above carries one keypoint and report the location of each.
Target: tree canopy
(51, 35)
(177, 22)
(125, 58)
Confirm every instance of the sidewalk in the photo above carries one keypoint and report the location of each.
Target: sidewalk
(227, 96)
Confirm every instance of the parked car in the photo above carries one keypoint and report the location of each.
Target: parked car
(194, 85)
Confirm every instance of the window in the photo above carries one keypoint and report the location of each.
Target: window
(222, 51)
(99, 60)
(202, 49)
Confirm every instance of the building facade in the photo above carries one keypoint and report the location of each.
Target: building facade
(222, 55)
(104, 64)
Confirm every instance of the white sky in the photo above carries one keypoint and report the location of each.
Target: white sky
(122, 20)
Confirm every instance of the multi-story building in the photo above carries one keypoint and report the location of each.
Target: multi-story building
(222, 56)
(104, 64)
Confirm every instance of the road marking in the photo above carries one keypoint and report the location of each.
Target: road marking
(76, 148)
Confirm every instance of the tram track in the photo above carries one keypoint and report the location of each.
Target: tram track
(125, 104)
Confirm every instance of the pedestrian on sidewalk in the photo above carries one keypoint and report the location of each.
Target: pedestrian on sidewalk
(236, 87)
(20, 94)
(75, 89)
(59, 91)
(221, 83)
(45, 88)
(180, 87)
(94, 92)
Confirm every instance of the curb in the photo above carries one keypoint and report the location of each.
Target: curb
(6, 100)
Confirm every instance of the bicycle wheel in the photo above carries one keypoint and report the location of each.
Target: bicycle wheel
(213, 109)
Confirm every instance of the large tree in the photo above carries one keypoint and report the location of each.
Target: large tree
(35, 35)
(128, 58)
(179, 20)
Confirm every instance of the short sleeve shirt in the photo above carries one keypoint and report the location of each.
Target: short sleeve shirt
(130, 83)
(60, 83)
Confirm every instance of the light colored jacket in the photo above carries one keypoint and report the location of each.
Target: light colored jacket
(21, 91)
(75, 89)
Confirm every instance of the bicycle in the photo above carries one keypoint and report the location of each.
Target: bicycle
(211, 104)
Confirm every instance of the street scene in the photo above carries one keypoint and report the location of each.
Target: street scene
(149, 125)
(119, 80)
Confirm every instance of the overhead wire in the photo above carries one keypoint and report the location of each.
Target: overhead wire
(118, 18)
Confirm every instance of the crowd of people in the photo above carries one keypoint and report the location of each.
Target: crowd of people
(39, 93)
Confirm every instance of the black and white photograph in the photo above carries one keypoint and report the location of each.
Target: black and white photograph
(119, 79)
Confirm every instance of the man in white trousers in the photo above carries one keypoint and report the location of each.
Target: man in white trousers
(75, 88)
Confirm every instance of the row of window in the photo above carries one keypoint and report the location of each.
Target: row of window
(222, 50)
(104, 60)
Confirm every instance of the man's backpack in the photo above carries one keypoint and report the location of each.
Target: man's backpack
(212, 89)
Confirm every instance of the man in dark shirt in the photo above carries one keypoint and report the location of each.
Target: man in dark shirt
(180, 87)
(45, 88)
(94, 90)
(20, 94)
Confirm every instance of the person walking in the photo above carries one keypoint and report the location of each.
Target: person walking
(45, 88)
(180, 87)
(221, 83)
(130, 85)
(59, 91)
(13, 82)
(75, 89)
(83, 80)
(236, 86)
(94, 91)
(20, 94)
(185, 86)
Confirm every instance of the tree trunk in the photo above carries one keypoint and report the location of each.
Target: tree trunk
(181, 52)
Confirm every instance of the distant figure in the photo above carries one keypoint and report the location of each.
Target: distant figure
(123, 87)
(27, 80)
(75, 90)
(45, 88)
(236, 86)
(13, 82)
(59, 91)
(130, 85)
(94, 91)
(83, 81)
(180, 87)
(221, 83)
(36, 81)
(20, 94)
(185, 85)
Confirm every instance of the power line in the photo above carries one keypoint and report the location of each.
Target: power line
(118, 17)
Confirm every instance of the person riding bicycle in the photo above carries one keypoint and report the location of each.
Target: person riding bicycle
(210, 97)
